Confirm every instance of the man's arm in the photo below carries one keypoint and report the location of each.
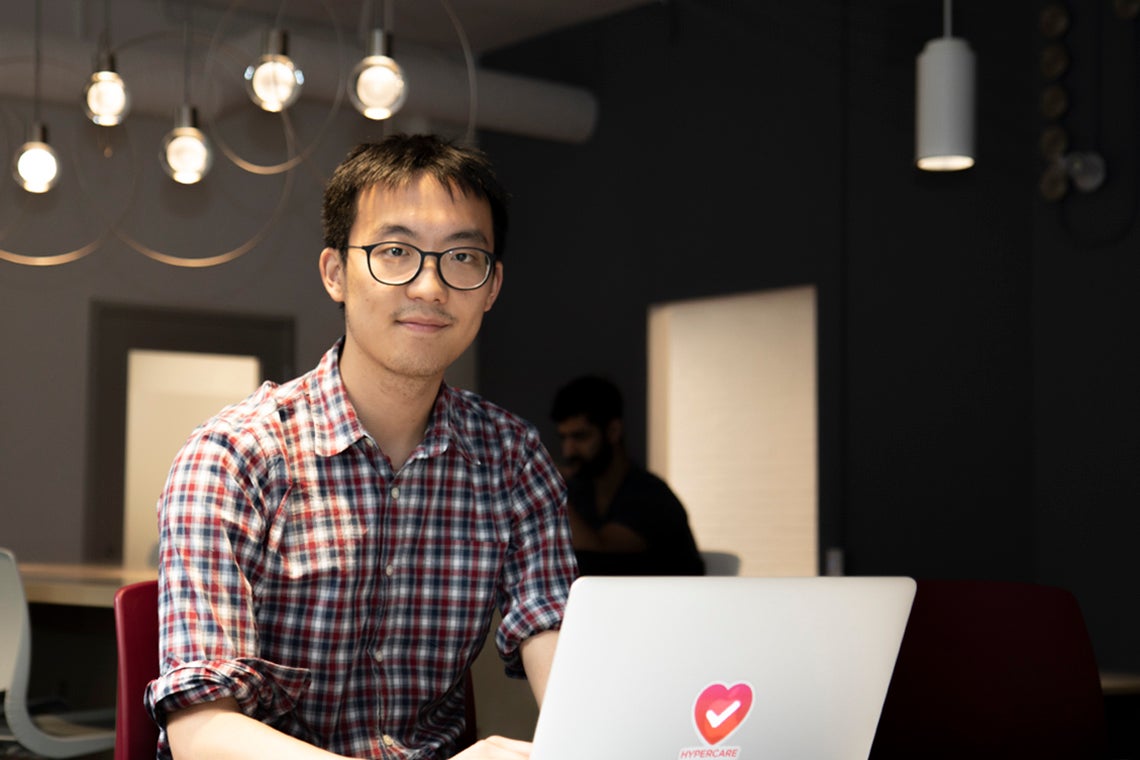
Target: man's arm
(537, 652)
(220, 730)
(612, 537)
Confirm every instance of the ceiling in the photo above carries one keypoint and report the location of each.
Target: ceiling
(430, 38)
(147, 37)
(487, 24)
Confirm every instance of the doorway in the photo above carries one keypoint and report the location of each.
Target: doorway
(121, 334)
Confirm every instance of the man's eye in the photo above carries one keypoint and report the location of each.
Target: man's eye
(393, 251)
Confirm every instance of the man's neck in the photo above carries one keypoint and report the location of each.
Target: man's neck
(607, 483)
(393, 409)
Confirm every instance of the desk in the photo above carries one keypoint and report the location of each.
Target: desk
(73, 630)
(78, 585)
(1117, 684)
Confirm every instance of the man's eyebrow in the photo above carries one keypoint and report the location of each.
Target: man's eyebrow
(468, 236)
(390, 230)
(473, 235)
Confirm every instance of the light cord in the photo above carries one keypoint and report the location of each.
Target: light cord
(469, 58)
(36, 64)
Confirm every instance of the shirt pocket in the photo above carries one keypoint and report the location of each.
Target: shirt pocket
(317, 540)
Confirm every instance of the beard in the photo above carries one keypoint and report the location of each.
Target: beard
(596, 465)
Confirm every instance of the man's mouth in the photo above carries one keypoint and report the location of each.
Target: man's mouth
(430, 322)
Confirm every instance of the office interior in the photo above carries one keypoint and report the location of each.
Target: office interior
(977, 330)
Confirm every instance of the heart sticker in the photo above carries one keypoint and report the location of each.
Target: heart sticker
(720, 709)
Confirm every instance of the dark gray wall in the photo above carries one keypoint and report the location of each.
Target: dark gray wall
(978, 361)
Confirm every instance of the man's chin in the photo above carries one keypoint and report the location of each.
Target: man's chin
(589, 470)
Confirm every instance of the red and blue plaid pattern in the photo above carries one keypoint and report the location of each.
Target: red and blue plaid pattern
(341, 602)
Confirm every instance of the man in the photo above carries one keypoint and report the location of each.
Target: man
(624, 519)
(332, 549)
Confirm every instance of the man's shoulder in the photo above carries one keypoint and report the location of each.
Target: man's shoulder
(470, 410)
(262, 416)
(639, 475)
(645, 482)
(489, 429)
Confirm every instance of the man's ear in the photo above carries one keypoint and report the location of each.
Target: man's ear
(333, 274)
(495, 285)
(614, 431)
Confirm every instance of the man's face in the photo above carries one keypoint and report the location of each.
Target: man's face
(415, 330)
(586, 450)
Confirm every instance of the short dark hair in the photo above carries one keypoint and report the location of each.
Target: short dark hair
(594, 397)
(397, 160)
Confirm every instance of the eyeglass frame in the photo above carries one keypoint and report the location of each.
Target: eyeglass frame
(368, 249)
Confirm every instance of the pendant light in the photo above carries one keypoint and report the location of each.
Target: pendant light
(106, 100)
(377, 87)
(36, 166)
(273, 81)
(944, 102)
(186, 153)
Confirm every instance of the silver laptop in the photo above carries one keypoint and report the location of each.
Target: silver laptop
(706, 668)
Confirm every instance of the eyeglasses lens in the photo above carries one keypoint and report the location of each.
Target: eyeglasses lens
(464, 267)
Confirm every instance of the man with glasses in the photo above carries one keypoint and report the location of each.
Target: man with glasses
(333, 549)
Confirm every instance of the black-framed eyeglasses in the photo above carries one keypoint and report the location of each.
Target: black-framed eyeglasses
(395, 263)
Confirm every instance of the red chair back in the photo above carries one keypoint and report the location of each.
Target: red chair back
(991, 669)
(136, 634)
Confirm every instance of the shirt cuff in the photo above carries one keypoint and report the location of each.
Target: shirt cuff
(523, 621)
(263, 690)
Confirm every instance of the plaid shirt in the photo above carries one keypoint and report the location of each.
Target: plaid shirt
(341, 602)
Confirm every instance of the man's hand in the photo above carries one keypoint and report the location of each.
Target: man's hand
(496, 748)
(220, 730)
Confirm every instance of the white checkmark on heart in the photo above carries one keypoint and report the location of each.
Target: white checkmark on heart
(715, 719)
(720, 709)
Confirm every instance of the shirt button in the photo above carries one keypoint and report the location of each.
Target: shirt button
(389, 741)
(378, 656)
(395, 492)
(390, 570)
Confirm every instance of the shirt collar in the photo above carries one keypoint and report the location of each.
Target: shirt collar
(338, 427)
(445, 425)
(335, 422)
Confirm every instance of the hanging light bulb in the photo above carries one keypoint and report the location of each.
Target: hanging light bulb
(36, 167)
(944, 102)
(186, 153)
(273, 81)
(377, 87)
(106, 100)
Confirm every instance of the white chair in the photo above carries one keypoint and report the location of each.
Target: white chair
(51, 734)
(721, 563)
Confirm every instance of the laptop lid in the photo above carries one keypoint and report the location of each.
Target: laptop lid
(722, 667)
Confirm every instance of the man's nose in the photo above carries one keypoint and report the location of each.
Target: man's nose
(428, 285)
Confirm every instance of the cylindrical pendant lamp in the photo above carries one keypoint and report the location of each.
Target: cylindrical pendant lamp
(944, 105)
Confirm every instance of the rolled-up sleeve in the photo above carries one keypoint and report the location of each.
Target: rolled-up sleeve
(540, 566)
(261, 688)
(211, 521)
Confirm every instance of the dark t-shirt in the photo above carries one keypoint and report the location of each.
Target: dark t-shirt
(645, 504)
